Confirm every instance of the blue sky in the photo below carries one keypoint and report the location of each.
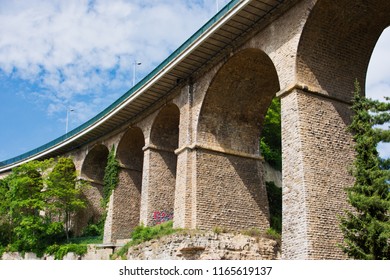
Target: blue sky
(79, 54)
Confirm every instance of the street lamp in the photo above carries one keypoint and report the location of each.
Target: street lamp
(135, 63)
(67, 118)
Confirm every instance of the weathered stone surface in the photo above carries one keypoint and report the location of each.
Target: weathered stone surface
(206, 246)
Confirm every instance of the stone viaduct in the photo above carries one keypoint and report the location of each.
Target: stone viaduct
(187, 135)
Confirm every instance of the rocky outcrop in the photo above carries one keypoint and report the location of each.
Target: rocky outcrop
(206, 246)
(182, 246)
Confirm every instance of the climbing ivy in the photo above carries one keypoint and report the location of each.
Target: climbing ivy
(111, 176)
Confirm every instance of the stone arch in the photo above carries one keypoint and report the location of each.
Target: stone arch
(230, 184)
(334, 49)
(160, 165)
(337, 42)
(165, 128)
(129, 152)
(237, 100)
(124, 209)
(94, 164)
(92, 171)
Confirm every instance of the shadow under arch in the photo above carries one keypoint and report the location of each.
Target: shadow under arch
(162, 163)
(124, 210)
(94, 164)
(230, 181)
(92, 171)
(337, 43)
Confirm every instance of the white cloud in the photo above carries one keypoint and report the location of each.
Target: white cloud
(84, 49)
(79, 53)
(379, 67)
(378, 78)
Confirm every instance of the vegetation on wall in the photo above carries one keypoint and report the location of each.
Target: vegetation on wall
(110, 182)
(111, 176)
(271, 135)
(33, 204)
(366, 228)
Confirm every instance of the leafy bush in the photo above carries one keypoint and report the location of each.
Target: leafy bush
(34, 234)
(59, 251)
(271, 135)
(93, 230)
(2, 250)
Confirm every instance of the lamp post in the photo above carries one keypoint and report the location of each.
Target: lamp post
(135, 63)
(217, 1)
(67, 119)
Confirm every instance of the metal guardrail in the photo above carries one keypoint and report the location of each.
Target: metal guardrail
(121, 99)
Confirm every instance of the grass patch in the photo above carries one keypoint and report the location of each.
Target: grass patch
(143, 233)
(219, 230)
(86, 240)
(253, 232)
(273, 234)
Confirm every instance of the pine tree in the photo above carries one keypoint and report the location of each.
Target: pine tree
(366, 227)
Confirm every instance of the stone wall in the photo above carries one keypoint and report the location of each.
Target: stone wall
(94, 253)
(195, 246)
(230, 192)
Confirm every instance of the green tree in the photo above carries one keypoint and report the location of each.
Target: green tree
(271, 135)
(22, 207)
(63, 192)
(5, 221)
(366, 228)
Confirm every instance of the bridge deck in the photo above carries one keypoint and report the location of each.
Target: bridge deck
(230, 24)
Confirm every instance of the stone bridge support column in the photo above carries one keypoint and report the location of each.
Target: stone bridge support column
(185, 203)
(317, 153)
(158, 189)
(220, 188)
(230, 190)
(92, 171)
(160, 162)
(123, 213)
(93, 194)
